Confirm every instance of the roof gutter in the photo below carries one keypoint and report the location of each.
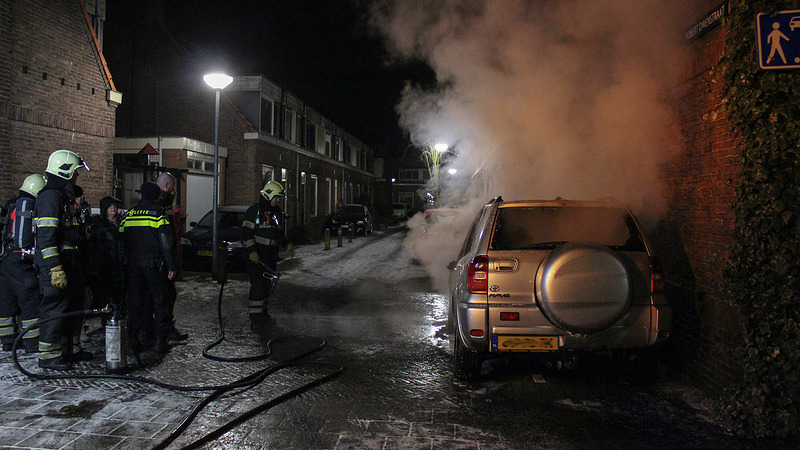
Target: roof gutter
(97, 44)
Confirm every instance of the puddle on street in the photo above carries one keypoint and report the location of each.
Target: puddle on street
(85, 409)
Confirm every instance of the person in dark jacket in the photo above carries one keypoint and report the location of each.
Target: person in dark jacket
(262, 229)
(58, 234)
(166, 182)
(151, 265)
(19, 286)
(109, 254)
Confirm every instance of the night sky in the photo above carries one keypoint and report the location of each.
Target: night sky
(322, 51)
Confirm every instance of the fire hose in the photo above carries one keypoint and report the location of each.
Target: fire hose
(244, 383)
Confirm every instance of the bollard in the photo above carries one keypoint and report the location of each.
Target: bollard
(350, 233)
(339, 237)
(327, 238)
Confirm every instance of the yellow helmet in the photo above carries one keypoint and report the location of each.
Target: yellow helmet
(33, 184)
(272, 189)
(63, 163)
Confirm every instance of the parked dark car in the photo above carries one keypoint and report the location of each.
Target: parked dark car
(351, 214)
(196, 243)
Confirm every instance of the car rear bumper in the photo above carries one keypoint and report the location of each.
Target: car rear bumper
(642, 326)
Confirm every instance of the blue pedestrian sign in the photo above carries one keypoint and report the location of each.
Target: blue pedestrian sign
(778, 40)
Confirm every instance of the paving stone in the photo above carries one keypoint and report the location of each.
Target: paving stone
(95, 441)
(130, 428)
(97, 426)
(12, 436)
(48, 439)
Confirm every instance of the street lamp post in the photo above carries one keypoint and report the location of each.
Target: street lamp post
(218, 82)
(432, 157)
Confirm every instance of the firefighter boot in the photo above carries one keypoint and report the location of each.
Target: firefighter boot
(58, 363)
(162, 344)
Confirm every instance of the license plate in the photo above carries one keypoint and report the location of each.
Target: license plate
(204, 253)
(524, 343)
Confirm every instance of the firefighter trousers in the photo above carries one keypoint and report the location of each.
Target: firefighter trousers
(58, 336)
(148, 300)
(19, 300)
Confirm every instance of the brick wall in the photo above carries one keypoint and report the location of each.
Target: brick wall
(5, 93)
(56, 94)
(695, 238)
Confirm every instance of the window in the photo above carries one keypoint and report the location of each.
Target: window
(288, 124)
(311, 136)
(336, 192)
(410, 174)
(298, 130)
(267, 174)
(337, 148)
(314, 195)
(266, 116)
(328, 144)
(331, 198)
(545, 227)
(346, 153)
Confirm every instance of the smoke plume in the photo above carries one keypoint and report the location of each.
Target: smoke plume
(538, 98)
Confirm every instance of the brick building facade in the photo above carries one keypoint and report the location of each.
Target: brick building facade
(53, 93)
(695, 238)
(267, 132)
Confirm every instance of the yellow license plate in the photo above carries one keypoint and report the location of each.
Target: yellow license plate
(204, 253)
(526, 343)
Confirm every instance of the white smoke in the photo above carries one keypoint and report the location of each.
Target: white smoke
(569, 98)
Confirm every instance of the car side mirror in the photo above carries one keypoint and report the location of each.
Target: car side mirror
(192, 224)
(452, 265)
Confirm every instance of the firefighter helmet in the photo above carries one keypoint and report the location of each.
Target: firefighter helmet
(63, 163)
(272, 189)
(32, 184)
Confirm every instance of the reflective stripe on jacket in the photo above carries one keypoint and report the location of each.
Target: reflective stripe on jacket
(148, 236)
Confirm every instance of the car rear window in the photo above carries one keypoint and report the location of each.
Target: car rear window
(351, 210)
(546, 227)
(224, 218)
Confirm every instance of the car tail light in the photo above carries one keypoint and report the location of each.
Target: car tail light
(507, 315)
(476, 333)
(478, 275)
(657, 283)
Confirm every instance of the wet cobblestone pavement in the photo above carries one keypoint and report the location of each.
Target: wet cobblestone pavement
(375, 311)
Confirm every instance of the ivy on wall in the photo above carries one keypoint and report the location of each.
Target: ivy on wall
(764, 267)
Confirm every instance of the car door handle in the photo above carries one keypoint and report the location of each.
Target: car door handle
(505, 265)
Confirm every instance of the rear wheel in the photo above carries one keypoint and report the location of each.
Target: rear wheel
(466, 363)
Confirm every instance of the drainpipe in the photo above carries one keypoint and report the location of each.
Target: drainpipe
(297, 189)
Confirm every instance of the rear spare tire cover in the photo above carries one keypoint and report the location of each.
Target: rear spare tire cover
(583, 287)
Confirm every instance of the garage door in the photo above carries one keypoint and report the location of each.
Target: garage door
(199, 189)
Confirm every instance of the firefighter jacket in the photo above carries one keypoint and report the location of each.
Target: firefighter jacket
(59, 226)
(148, 236)
(262, 230)
(18, 234)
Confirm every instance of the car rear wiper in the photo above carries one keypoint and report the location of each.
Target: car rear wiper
(544, 245)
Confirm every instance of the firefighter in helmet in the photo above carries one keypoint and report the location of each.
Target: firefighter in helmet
(263, 227)
(59, 232)
(19, 287)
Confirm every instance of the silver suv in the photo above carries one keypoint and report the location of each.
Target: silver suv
(554, 276)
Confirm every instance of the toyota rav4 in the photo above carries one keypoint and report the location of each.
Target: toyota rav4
(554, 276)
